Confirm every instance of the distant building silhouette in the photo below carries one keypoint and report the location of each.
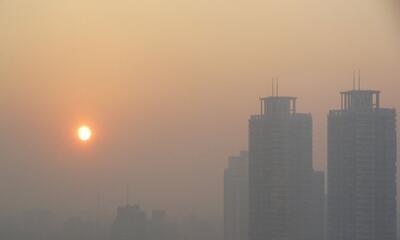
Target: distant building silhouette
(76, 229)
(158, 225)
(38, 225)
(280, 171)
(194, 228)
(160, 228)
(318, 209)
(361, 169)
(130, 224)
(236, 180)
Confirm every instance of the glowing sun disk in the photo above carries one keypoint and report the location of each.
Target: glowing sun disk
(84, 133)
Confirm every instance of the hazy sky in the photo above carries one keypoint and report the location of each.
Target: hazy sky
(168, 86)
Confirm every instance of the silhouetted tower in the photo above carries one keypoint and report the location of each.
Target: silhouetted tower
(361, 169)
(236, 197)
(280, 171)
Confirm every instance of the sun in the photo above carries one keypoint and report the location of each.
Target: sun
(84, 133)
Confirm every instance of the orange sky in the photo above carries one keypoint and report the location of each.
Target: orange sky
(169, 87)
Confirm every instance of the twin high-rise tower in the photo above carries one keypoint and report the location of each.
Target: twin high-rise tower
(361, 169)
(280, 171)
(286, 196)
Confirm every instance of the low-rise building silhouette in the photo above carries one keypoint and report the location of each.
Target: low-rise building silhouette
(130, 224)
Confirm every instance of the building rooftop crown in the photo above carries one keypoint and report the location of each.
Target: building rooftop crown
(277, 104)
(360, 100)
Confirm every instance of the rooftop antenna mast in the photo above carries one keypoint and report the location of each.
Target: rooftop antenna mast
(273, 87)
(359, 79)
(354, 80)
(277, 87)
(127, 195)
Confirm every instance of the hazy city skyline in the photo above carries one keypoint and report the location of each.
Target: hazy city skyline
(167, 87)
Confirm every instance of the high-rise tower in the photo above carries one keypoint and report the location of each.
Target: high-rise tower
(280, 171)
(361, 169)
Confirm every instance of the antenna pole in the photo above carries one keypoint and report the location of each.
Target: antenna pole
(354, 80)
(359, 79)
(277, 87)
(273, 86)
(127, 195)
(261, 107)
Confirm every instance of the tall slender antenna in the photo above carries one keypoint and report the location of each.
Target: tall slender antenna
(261, 106)
(277, 87)
(354, 79)
(127, 195)
(359, 79)
(273, 87)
